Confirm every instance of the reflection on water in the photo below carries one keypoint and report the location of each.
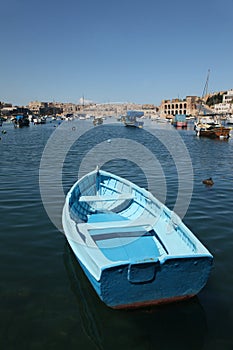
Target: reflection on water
(166, 327)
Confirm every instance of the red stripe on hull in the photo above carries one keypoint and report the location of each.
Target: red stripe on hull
(153, 302)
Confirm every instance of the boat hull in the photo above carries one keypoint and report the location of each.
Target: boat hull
(214, 133)
(180, 124)
(180, 121)
(172, 281)
(217, 133)
(135, 124)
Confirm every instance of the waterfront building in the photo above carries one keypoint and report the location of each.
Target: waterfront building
(226, 106)
(228, 97)
(35, 106)
(69, 108)
(6, 109)
(169, 108)
(116, 109)
(38, 107)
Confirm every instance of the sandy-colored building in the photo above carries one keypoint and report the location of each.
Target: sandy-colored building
(170, 108)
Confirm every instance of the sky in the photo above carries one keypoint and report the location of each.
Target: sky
(114, 51)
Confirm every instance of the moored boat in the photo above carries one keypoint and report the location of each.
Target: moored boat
(212, 130)
(98, 121)
(133, 249)
(180, 121)
(20, 121)
(229, 120)
(131, 119)
(98, 321)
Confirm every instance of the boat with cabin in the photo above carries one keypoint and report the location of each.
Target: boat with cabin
(131, 119)
(20, 121)
(133, 249)
(180, 121)
(209, 127)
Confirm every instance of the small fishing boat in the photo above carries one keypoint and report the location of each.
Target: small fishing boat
(180, 121)
(39, 120)
(212, 130)
(131, 119)
(98, 121)
(20, 121)
(133, 249)
(97, 321)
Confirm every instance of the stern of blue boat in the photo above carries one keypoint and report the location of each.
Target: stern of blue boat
(150, 283)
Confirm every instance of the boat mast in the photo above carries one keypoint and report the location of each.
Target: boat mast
(206, 85)
(204, 93)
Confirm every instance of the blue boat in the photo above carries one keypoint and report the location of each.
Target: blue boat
(180, 121)
(133, 249)
(20, 121)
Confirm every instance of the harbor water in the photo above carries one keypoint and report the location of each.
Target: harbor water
(46, 302)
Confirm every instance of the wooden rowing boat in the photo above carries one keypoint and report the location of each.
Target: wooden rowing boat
(133, 249)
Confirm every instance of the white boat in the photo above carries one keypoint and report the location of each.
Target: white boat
(131, 119)
(229, 120)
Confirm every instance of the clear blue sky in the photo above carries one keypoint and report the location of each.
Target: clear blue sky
(125, 50)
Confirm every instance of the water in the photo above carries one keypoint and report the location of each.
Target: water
(45, 300)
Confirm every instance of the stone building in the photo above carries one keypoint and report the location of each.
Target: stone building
(227, 104)
(170, 108)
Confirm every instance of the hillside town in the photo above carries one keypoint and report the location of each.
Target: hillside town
(219, 103)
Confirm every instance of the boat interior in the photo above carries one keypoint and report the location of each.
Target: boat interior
(114, 215)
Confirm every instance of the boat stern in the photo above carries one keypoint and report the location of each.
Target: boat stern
(152, 282)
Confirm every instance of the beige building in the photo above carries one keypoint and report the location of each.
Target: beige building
(227, 104)
(66, 108)
(35, 106)
(170, 108)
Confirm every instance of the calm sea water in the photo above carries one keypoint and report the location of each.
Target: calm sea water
(45, 300)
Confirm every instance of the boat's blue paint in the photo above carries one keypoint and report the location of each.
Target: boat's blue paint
(168, 282)
(136, 249)
(104, 217)
(133, 249)
(180, 118)
(171, 280)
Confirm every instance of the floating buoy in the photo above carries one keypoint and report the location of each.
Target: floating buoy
(109, 141)
(208, 182)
